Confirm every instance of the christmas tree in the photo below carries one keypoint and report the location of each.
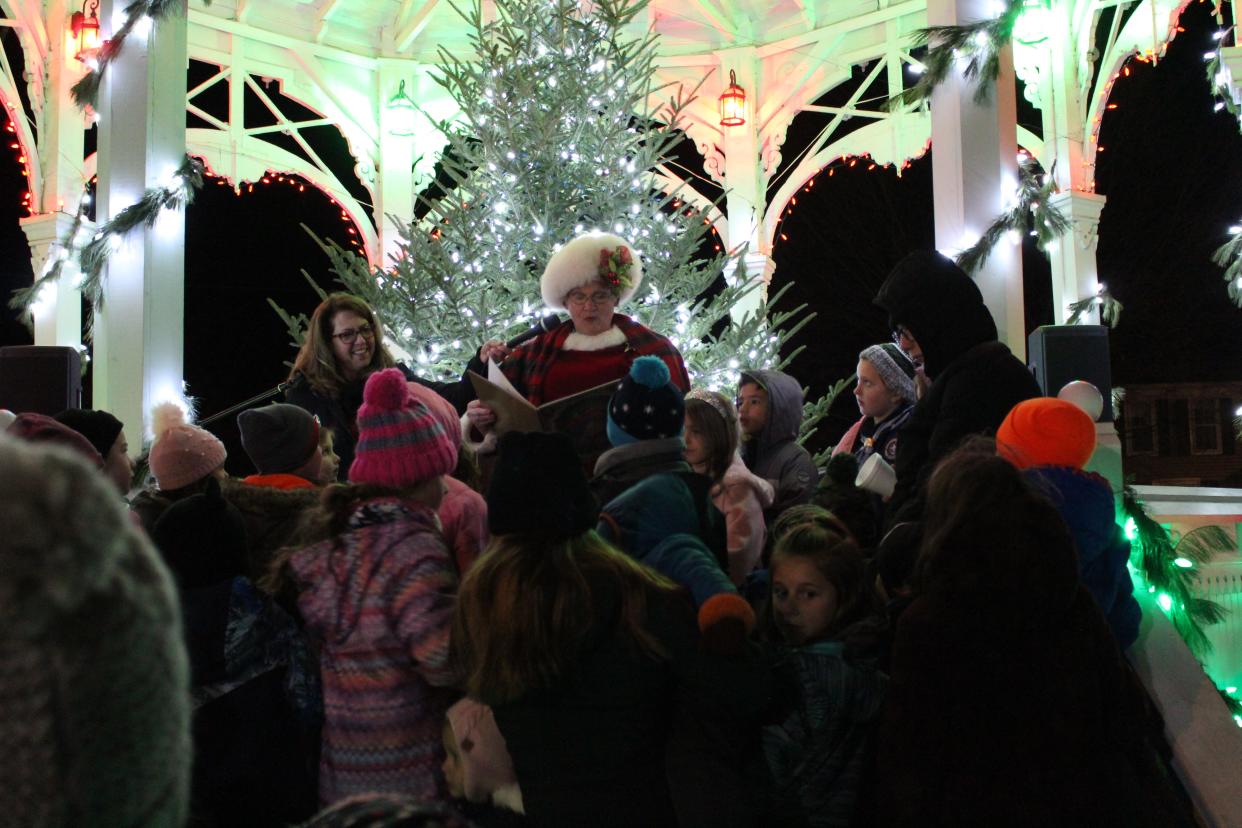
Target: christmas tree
(558, 135)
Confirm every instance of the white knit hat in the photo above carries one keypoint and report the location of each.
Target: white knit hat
(586, 258)
(94, 695)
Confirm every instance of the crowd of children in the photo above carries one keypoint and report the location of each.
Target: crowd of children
(701, 633)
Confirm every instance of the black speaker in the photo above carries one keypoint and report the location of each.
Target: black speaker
(45, 379)
(1059, 354)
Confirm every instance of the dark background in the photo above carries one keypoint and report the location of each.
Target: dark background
(1172, 172)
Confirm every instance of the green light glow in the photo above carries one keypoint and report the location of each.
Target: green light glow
(1165, 602)
(1033, 24)
(1131, 529)
(1184, 563)
(1231, 690)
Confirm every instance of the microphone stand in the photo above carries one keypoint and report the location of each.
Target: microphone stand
(271, 392)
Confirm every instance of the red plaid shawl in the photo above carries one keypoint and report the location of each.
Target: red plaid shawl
(528, 365)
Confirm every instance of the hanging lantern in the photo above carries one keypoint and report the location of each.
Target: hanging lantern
(404, 112)
(85, 28)
(733, 103)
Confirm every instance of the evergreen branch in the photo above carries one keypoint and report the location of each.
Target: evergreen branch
(24, 299)
(1110, 308)
(1031, 213)
(1155, 558)
(976, 46)
(1221, 90)
(86, 91)
(1229, 256)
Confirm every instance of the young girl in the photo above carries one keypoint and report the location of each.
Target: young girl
(330, 463)
(886, 396)
(822, 609)
(376, 595)
(711, 438)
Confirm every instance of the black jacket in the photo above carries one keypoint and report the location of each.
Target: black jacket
(975, 378)
(339, 413)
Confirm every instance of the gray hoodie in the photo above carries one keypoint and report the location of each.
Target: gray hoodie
(774, 453)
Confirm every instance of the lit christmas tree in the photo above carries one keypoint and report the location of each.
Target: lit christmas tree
(557, 136)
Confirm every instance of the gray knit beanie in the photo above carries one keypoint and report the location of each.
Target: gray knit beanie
(94, 704)
(894, 368)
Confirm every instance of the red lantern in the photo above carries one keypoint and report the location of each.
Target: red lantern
(733, 103)
(85, 27)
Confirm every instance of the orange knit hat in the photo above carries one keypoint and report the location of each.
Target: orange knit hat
(1046, 431)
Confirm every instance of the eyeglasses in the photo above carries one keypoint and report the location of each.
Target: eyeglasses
(350, 335)
(599, 297)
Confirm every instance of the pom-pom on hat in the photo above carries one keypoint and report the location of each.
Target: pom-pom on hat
(182, 453)
(894, 368)
(1046, 431)
(401, 441)
(588, 257)
(538, 488)
(646, 405)
(279, 438)
(100, 427)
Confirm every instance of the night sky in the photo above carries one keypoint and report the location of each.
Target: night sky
(1172, 171)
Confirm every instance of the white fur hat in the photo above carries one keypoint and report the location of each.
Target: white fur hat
(578, 263)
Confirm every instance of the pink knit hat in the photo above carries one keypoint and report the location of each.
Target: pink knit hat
(182, 453)
(485, 762)
(401, 441)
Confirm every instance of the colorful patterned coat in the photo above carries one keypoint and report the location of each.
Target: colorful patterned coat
(378, 600)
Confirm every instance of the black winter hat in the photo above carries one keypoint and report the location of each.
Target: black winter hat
(202, 539)
(100, 427)
(279, 438)
(538, 488)
(646, 405)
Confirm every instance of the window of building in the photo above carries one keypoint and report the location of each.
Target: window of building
(1205, 426)
(1140, 426)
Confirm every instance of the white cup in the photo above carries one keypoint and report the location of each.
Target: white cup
(876, 476)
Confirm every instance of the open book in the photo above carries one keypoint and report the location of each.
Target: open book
(583, 416)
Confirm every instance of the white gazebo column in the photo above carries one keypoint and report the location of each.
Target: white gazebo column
(140, 333)
(1074, 273)
(744, 179)
(974, 172)
(395, 185)
(58, 314)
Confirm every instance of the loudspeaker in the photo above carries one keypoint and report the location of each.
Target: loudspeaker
(44, 379)
(1059, 354)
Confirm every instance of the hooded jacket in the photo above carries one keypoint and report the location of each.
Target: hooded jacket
(378, 600)
(1085, 502)
(975, 378)
(774, 453)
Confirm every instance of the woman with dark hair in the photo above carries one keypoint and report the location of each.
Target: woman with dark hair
(1009, 701)
(590, 660)
(344, 345)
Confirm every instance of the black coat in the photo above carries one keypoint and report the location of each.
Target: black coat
(629, 740)
(975, 378)
(340, 413)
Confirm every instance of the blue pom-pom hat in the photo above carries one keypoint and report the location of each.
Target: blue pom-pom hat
(646, 405)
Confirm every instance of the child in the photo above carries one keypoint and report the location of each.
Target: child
(282, 441)
(711, 438)
(477, 765)
(329, 462)
(182, 457)
(886, 396)
(769, 408)
(376, 594)
(822, 608)
(1051, 440)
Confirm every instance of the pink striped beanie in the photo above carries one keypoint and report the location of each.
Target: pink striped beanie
(400, 440)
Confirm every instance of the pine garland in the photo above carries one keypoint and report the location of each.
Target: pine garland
(1030, 214)
(1229, 256)
(1110, 308)
(977, 45)
(24, 299)
(1156, 560)
(92, 257)
(86, 91)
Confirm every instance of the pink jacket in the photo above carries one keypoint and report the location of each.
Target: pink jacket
(741, 497)
(463, 519)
